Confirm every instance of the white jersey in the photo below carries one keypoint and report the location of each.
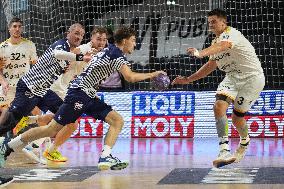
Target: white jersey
(17, 58)
(60, 86)
(241, 60)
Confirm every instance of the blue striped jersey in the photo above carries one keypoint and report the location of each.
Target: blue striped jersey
(47, 69)
(102, 65)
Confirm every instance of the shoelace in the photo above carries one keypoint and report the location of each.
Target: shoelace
(115, 158)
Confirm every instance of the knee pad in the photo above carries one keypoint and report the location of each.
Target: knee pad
(239, 114)
(223, 98)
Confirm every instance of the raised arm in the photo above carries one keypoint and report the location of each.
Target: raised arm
(213, 49)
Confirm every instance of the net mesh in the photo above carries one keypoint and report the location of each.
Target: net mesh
(165, 28)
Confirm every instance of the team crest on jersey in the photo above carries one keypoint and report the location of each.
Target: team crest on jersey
(78, 105)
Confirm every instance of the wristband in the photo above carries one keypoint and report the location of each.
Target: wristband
(79, 57)
(196, 53)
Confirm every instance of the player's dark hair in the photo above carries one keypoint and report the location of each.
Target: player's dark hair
(219, 13)
(123, 33)
(15, 19)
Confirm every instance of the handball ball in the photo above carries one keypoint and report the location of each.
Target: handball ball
(161, 82)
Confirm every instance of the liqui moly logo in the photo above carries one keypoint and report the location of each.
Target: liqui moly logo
(163, 114)
(266, 117)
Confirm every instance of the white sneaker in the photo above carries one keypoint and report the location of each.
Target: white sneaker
(241, 151)
(224, 158)
(34, 150)
(29, 151)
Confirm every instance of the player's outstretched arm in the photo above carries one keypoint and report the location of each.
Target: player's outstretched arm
(133, 77)
(205, 70)
(64, 55)
(213, 49)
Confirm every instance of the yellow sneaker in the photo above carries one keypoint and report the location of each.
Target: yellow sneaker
(22, 124)
(54, 156)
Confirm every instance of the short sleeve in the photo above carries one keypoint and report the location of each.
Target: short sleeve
(119, 62)
(231, 36)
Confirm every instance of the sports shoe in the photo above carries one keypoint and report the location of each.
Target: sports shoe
(241, 151)
(33, 152)
(5, 181)
(112, 163)
(54, 156)
(5, 150)
(22, 124)
(224, 158)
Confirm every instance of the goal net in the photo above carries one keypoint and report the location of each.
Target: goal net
(165, 28)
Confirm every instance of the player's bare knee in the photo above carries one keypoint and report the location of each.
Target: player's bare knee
(72, 126)
(115, 119)
(53, 128)
(219, 108)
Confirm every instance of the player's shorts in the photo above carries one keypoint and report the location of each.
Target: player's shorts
(6, 100)
(25, 101)
(244, 92)
(78, 102)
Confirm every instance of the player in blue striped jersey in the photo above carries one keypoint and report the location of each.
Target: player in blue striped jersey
(33, 88)
(81, 98)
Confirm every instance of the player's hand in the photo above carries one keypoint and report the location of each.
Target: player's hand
(5, 87)
(76, 51)
(181, 80)
(156, 73)
(87, 57)
(193, 52)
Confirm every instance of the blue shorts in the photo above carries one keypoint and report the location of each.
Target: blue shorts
(76, 103)
(25, 101)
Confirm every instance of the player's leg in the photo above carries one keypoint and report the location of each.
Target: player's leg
(224, 96)
(68, 113)
(36, 118)
(7, 146)
(64, 134)
(246, 97)
(21, 106)
(100, 110)
(50, 101)
(106, 160)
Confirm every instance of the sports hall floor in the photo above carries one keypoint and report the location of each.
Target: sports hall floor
(154, 163)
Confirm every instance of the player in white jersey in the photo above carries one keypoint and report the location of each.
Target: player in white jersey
(232, 53)
(82, 98)
(17, 54)
(97, 43)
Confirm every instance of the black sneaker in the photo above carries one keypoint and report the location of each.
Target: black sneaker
(5, 150)
(5, 181)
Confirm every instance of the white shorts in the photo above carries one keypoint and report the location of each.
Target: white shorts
(243, 92)
(6, 100)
